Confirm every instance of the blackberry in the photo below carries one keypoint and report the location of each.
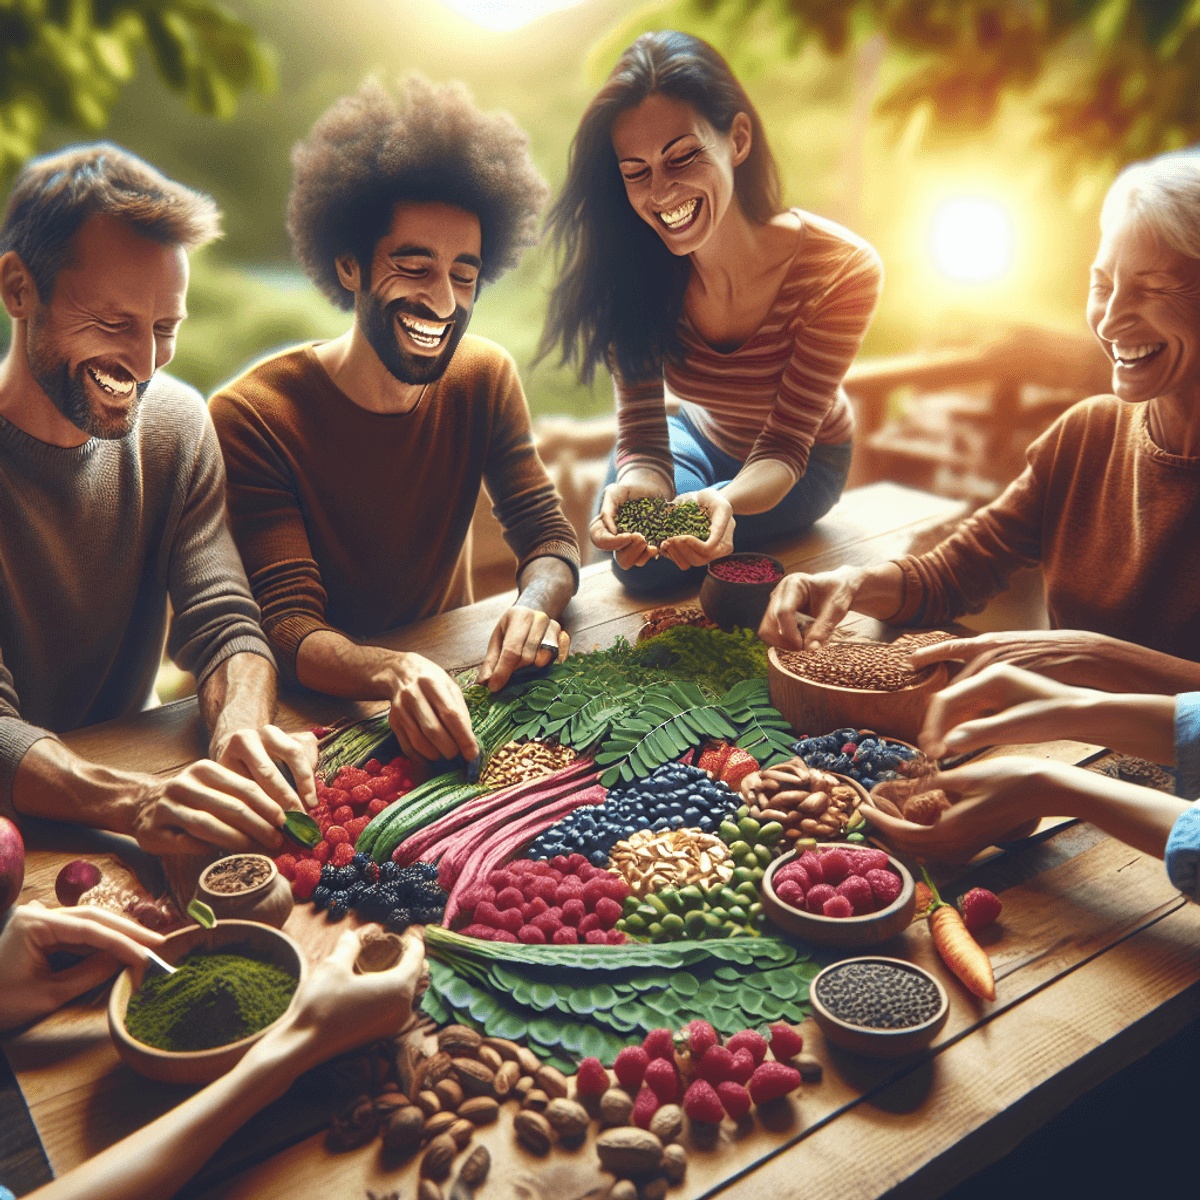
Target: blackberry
(399, 919)
(361, 861)
(430, 916)
(337, 910)
(427, 870)
(341, 878)
(320, 897)
(389, 871)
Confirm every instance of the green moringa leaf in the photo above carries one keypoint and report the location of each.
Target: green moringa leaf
(301, 828)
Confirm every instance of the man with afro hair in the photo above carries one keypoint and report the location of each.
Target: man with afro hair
(354, 465)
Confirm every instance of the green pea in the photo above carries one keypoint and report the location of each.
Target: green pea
(671, 899)
(756, 911)
(742, 875)
(748, 890)
(657, 903)
(748, 827)
(729, 832)
(696, 923)
(672, 923)
(647, 912)
(633, 924)
(770, 833)
(739, 849)
(654, 929)
(691, 896)
(739, 914)
(763, 854)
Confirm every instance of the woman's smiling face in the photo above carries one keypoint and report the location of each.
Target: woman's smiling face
(678, 169)
(1144, 307)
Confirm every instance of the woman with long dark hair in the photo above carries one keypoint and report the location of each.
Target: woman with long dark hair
(682, 272)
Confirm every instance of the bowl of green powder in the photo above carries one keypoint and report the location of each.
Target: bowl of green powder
(234, 982)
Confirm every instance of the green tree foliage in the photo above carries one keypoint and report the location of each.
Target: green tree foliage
(67, 60)
(1118, 80)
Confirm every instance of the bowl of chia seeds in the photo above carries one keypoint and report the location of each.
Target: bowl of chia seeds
(233, 983)
(881, 1007)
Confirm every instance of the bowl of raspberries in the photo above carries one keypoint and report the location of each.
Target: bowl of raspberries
(839, 895)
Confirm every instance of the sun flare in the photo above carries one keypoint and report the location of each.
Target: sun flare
(501, 16)
(972, 239)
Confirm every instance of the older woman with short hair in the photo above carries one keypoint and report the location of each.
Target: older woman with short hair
(1109, 504)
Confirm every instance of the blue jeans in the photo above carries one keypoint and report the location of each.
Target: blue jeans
(700, 464)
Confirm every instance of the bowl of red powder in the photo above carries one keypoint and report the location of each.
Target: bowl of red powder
(736, 589)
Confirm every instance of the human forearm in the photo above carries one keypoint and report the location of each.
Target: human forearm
(547, 585)
(54, 783)
(759, 486)
(328, 661)
(239, 694)
(160, 1158)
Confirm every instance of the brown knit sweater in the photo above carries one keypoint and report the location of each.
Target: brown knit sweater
(93, 539)
(357, 521)
(1113, 520)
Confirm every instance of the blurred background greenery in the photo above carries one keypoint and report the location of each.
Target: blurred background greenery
(970, 141)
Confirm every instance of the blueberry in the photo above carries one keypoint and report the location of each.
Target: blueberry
(868, 782)
(676, 821)
(692, 814)
(706, 824)
(659, 824)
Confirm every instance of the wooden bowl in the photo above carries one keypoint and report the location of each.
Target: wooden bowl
(878, 1043)
(812, 707)
(730, 603)
(198, 1066)
(867, 930)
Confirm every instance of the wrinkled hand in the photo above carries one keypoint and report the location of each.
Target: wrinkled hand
(998, 704)
(1074, 656)
(629, 549)
(335, 1010)
(827, 597)
(254, 753)
(29, 989)
(429, 715)
(517, 641)
(991, 801)
(688, 551)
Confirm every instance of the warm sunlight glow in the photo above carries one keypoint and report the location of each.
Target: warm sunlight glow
(972, 239)
(502, 15)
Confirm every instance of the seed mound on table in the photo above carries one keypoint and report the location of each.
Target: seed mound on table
(863, 665)
(657, 519)
(746, 570)
(879, 995)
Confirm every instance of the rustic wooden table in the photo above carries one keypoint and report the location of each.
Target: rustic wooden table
(1095, 958)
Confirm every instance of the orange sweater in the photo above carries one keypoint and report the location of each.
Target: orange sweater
(357, 521)
(1112, 519)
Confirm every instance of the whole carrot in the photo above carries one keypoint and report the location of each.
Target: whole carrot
(959, 950)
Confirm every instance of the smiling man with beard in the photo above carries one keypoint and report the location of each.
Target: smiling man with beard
(355, 465)
(111, 502)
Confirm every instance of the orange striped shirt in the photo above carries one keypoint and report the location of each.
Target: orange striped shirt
(779, 392)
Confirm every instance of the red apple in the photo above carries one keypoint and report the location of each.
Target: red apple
(12, 864)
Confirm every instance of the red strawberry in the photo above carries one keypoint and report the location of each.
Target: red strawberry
(772, 1080)
(979, 908)
(591, 1079)
(343, 814)
(785, 1041)
(701, 1035)
(645, 1106)
(308, 875)
(736, 767)
(660, 1044)
(754, 1042)
(702, 1103)
(742, 1067)
(630, 1066)
(716, 1064)
(812, 866)
(735, 1098)
(662, 1079)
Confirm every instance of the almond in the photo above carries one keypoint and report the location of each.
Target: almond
(462, 1131)
(536, 1099)
(439, 1156)
(616, 1107)
(629, 1150)
(402, 1129)
(428, 1103)
(674, 1162)
(523, 1087)
(476, 1079)
(533, 1131)
(458, 1039)
(509, 1051)
(437, 1068)
(438, 1123)
(449, 1093)
(552, 1081)
(474, 1170)
(667, 1122)
(489, 1057)
(529, 1062)
(506, 1079)
(479, 1109)
(567, 1118)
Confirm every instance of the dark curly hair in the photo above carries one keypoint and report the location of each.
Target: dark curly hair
(620, 291)
(429, 143)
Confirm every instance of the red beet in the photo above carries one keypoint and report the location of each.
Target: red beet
(12, 864)
(74, 879)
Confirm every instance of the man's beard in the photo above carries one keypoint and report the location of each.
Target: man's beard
(68, 392)
(378, 324)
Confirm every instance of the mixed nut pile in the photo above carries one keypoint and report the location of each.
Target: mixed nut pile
(520, 762)
(807, 802)
(671, 858)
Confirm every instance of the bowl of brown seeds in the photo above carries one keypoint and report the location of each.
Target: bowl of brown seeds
(855, 682)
